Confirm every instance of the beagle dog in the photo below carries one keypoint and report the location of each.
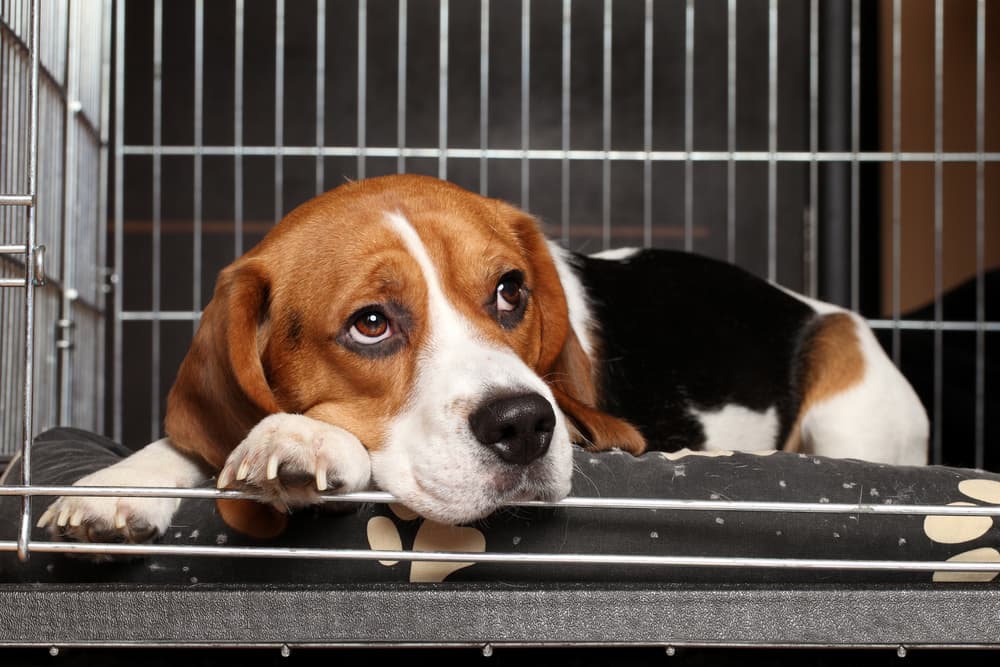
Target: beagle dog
(404, 334)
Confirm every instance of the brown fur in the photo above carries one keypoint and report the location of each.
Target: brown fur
(832, 363)
(266, 342)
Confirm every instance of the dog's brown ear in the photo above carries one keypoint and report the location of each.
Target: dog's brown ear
(574, 386)
(562, 361)
(221, 391)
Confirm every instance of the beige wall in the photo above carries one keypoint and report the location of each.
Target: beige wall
(959, 134)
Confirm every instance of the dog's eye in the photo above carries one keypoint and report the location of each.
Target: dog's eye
(510, 291)
(370, 327)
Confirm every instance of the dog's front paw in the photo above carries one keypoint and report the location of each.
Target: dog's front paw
(115, 520)
(288, 460)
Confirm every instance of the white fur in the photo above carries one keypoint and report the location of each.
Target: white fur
(616, 254)
(820, 307)
(740, 428)
(431, 460)
(158, 464)
(880, 419)
(580, 318)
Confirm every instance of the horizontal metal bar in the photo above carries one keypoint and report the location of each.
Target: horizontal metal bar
(11, 282)
(50, 286)
(159, 316)
(572, 502)
(931, 325)
(310, 553)
(17, 200)
(554, 154)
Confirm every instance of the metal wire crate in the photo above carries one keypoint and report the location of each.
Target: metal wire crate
(53, 180)
(616, 122)
(619, 123)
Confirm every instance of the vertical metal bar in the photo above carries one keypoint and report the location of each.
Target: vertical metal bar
(647, 126)
(938, 227)
(484, 94)
(567, 34)
(24, 535)
(606, 130)
(102, 211)
(855, 148)
(238, 130)
(688, 126)
(279, 108)
(525, 100)
(731, 134)
(8, 156)
(443, 90)
(362, 83)
(199, 72)
(980, 234)
(772, 141)
(812, 218)
(897, 48)
(401, 87)
(69, 227)
(832, 234)
(117, 393)
(154, 415)
(321, 92)
(12, 145)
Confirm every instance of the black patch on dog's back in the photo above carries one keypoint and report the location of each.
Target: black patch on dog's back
(682, 331)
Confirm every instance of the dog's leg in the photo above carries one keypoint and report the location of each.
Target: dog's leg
(288, 460)
(94, 519)
(878, 418)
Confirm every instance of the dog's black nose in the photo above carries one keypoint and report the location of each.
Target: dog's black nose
(518, 428)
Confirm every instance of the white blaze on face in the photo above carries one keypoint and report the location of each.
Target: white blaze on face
(431, 460)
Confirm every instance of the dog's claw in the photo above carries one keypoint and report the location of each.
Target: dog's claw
(289, 460)
(76, 519)
(120, 521)
(63, 517)
(45, 519)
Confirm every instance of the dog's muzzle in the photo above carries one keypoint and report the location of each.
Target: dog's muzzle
(518, 429)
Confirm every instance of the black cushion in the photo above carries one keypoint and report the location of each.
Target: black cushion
(61, 456)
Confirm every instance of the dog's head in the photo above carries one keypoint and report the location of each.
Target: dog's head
(428, 321)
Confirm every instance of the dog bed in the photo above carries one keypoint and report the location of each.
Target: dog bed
(61, 456)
